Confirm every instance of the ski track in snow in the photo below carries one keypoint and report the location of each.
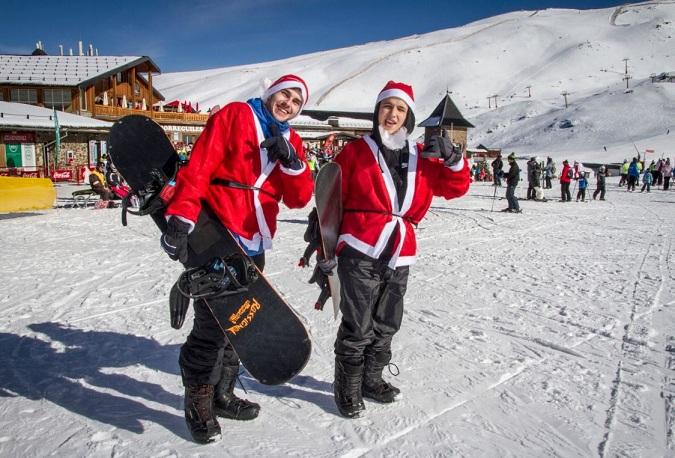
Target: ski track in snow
(547, 333)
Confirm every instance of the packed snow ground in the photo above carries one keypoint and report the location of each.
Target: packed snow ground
(547, 333)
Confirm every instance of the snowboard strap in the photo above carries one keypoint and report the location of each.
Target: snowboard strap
(237, 185)
(153, 198)
(379, 212)
(218, 278)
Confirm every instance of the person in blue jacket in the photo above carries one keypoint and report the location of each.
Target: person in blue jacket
(633, 175)
(647, 180)
(583, 184)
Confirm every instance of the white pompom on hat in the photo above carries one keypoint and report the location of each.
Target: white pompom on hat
(288, 82)
(400, 90)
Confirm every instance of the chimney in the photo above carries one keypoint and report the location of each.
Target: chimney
(96, 50)
(91, 49)
(71, 51)
(79, 46)
(61, 49)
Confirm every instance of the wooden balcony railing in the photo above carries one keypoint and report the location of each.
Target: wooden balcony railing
(109, 112)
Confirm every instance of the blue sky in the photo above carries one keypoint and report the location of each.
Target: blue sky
(201, 34)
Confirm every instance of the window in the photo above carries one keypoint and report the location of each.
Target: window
(83, 100)
(22, 95)
(58, 98)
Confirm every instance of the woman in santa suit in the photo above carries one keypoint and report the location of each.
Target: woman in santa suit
(388, 184)
(244, 163)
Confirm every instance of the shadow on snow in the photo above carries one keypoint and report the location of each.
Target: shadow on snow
(68, 374)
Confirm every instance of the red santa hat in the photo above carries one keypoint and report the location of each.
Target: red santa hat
(288, 82)
(400, 90)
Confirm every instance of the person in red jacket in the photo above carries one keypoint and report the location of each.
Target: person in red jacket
(565, 180)
(243, 164)
(388, 183)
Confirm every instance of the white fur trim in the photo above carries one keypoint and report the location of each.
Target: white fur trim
(293, 172)
(458, 166)
(185, 220)
(393, 141)
(287, 85)
(399, 94)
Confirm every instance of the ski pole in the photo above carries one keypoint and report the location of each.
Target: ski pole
(494, 196)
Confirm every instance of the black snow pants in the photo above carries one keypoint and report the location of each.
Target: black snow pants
(371, 306)
(599, 190)
(565, 194)
(207, 349)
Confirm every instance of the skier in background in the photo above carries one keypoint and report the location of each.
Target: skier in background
(549, 171)
(512, 178)
(647, 180)
(624, 173)
(388, 184)
(583, 184)
(666, 171)
(633, 175)
(565, 180)
(244, 147)
(531, 165)
(600, 184)
(497, 170)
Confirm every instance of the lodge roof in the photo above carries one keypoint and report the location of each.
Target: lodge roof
(445, 114)
(23, 116)
(75, 71)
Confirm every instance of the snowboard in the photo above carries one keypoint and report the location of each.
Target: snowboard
(328, 200)
(267, 335)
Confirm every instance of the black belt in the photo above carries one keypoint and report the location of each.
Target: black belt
(237, 185)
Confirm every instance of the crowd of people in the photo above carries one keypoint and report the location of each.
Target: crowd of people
(540, 175)
(657, 173)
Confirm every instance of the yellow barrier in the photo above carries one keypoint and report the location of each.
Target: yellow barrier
(23, 194)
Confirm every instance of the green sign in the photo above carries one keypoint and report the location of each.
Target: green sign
(13, 155)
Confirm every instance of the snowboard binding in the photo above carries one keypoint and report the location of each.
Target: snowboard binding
(218, 278)
(153, 197)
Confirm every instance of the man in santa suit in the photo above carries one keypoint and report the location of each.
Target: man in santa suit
(388, 184)
(243, 164)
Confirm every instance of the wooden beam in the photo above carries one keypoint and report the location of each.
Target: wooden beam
(133, 87)
(114, 79)
(151, 96)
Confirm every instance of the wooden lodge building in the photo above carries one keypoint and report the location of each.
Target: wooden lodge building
(103, 88)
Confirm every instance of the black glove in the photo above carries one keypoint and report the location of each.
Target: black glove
(442, 147)
(175, 240)
(280, 149)
(178, 306)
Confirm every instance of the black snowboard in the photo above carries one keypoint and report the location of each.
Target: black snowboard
(267, 335)
(328, 198)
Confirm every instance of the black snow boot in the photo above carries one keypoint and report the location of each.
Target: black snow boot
(227, 404)
(199, 414)
(347, 387)
(374, 387)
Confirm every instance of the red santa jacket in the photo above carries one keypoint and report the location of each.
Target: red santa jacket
(228, 150)
(370, 202)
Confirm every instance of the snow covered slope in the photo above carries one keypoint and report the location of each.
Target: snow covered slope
(581, 52)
